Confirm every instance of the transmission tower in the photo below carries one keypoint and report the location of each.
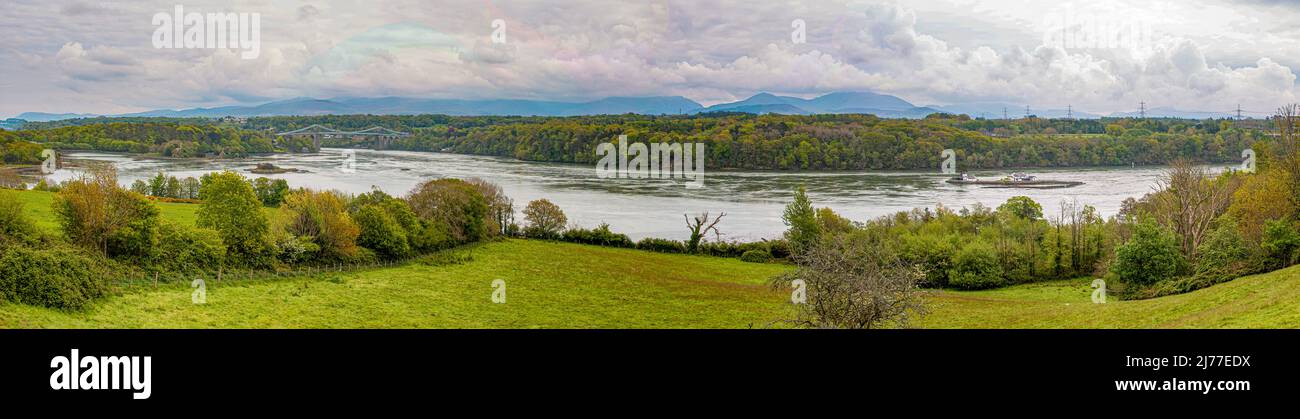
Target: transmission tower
(1143, 110)
(1238, 112)
(1069, 111)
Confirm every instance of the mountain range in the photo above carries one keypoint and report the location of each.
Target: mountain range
(882, 105)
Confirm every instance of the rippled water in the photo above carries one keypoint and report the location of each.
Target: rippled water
(640, 208)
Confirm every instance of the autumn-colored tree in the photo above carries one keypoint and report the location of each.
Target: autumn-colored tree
(545, 219)
(97, 213)
(322, 218)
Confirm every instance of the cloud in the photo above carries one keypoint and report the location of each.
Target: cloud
(717, 51)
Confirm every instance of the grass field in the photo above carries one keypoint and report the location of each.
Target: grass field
(560, 285)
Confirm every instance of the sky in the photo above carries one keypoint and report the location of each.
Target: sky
(1097, 56)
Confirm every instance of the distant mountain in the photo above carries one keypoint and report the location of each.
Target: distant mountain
(839, 102)
(882, 105)
(45, 117)
(413, 106)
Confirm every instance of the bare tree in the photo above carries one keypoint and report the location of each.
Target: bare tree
(700, 226)
(854, 281)
(1189, 200)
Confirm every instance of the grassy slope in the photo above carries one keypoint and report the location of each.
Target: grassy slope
(1270, 300)
(566, 285)
(547, 285)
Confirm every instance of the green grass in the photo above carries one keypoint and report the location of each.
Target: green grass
(560, 285)
(548, 285)
(37, 205)
(1270, 300)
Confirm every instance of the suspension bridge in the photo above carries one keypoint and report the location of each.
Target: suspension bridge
(378, 137)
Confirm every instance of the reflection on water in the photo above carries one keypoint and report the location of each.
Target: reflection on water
(641, 208)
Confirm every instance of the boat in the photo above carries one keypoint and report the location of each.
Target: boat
(1014, 180)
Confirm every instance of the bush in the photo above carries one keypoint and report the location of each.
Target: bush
(14, 224)
(56, 278)
(661, 245)
(1223, 253)
(1151, 255)
(188, 249)
(756, 256)
(600, 236)
(96, 213)
(381, 233)
(322, 216)
(779, 248)
(544, 220)
(933, 253)
(1280, 243)
(975, 267)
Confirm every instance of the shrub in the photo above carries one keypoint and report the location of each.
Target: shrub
(96, 213)
(1151, 255)
(188, 249)
(779, 248)
(600, 236)
(976, 267)
(1223, 253)
(14, 224)
(756, 256)
(232, 209)
(1280, 242)
(57, 278)
(661, 245)
(381, 233)
(933, 253)
(322, 216)
(544, 219)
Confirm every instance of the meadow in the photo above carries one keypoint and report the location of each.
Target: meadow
(563, 285)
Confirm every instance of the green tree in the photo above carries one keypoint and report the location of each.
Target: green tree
(801, 219)
(1151, 255)
(232, 209)
(1022, 207)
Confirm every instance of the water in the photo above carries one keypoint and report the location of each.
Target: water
(752, 200)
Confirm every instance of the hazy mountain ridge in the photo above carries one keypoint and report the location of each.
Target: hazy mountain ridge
(886, 106)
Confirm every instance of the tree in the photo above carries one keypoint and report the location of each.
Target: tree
(1022, 207)
(453, 208)
(854, 281)
(96, 213)
(500, 206)
(544, 219)
(1150, 256)
(700, 226)
(271, 192)
(232, 209)
(321, 217)
(801, 219)
(381, 233)
(1189, 200)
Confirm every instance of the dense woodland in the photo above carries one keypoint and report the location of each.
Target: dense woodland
(746, 141)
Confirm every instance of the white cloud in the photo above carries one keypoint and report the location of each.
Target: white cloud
(1205, 55)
